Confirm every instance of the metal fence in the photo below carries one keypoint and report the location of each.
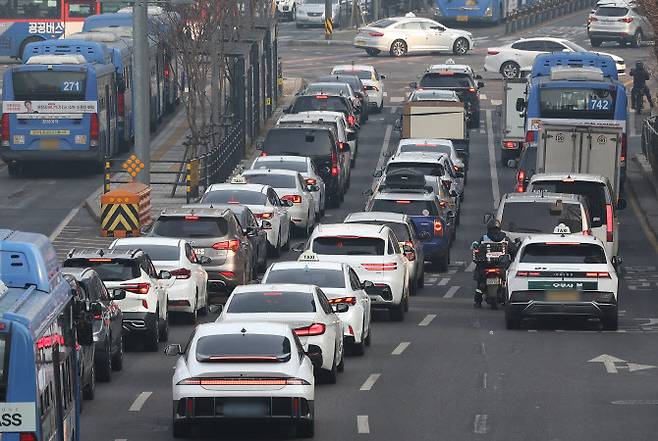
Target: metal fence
(542, 11)
(650, 143)
(218, 164)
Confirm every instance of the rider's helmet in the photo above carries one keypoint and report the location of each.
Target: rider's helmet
(493, 227)
(639, 65)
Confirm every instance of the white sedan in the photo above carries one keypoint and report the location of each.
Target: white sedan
(303, 165)
(263, 201)
(562, 275)
(431, 145)
(304, 308)
(247, 371)
(516, 58)
(291, 187)
(371, 79)
(340, 284)
(187, 290)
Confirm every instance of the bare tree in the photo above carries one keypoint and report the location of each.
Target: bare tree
(649, 8)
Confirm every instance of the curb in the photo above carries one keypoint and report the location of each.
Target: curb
(647, 171)
(92, 207)
(314, 43)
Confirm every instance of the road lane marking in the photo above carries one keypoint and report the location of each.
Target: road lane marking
(444, 281)
(120, 439)
(451, 292)
(427, 320)
(362, 425)
(492, 160)
(470, 268)
(139, 401)
(394, 109)
(480, 424)
(387, 139)
(370, 382)
(496, 102)
(58, 230)
(483, 350)
(399, 349)
(483, 96)
(635, 402)
(484, 380)
(396, 99)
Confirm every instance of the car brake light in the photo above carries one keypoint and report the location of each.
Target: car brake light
(263, 215)
(233, 245)
(604, 274)
(472, 89)
(520, 181)
(242, 381)
(390, 266)
(438, 228)
(624, 147)
(295, 198)
(609, 221)
(97, 260)
(375, 34)
(191, 217)
(311, 181)
(509, 144)
(530, 136)
(314, 329)
(181, 273)
(93, 129)
(492, 271)
(321, 97)
(121, 110)
(348, 300)
(521, 274)
(4, 130)
(263, 154)
(626, 20)
(351, 120)
(137, 288)
(403, 202)
(490, 52)
(334, 164)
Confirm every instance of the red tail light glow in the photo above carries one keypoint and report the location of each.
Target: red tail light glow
(490, 52)
(4, 129)
(181, 273)
(233, 245)
(121, 108)
(604, 275)
(311, 181)
(191, 217)
(609, 224)
(530, 136)
(263, 154)
(492, 270)
(520, 181)
(295, 198)
(93, 129)
(348, 300)
(509, 144)
(314, 329)
(375, 34)
(137, 288)
(351, 120)
(321, 97)
(334, 164)
(472, 89)
(390, 266)
(242, 381)
(438, 228)
(263, 215)
(626, 20)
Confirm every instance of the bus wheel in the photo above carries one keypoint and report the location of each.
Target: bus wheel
(25, 43)
(15, 169)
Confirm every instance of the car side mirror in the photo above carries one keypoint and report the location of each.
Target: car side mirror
(621, 204)
(377, 174)
(216, 309)
(299, 247)
(315, 354)
(341, 307)
(366, 284)
(478, 77)
(287, 203)
(382, 77)
(250, 231)
(118, 294)
(351, 135)
(480, 84)
(203, 260)
(413, 84)
(173, 350)
(313, 187)
(486, 218)
(265, 224)
(164, 275)
(520, 104)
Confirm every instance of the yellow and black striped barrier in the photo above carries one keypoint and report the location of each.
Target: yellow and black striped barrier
(328, 26)
(125, 210)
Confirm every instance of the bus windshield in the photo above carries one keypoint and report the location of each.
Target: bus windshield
(30, 9)
(49, 85)
(586, 103)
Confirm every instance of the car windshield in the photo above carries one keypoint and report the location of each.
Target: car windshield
(298, 166)
(234, 197)
(362, 74)
(608, 11)
(329, 88)
(310, 103)
(450, 81)
(324, 278)
(540, 217)
(272, 179)
(190, 226)
(108, 269)
(573, 46)
(594, 192)
(406, 206)
(349, 245)
(352, 80)
(243, 348)
(563, 253)
(583, 102)
(298, 141)
(401, 230)
(426, 168)
(155, 252)
(271, 301)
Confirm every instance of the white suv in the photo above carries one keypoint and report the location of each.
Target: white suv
(620, 22)
(145, 306)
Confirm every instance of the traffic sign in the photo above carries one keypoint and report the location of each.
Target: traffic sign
(133, 165)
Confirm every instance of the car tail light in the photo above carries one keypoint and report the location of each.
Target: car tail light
(492, 270)
(137, 288)
(27, 436)
(166, 72)
(603, 274)
(314, 329)
(348, 300)
(121, 108)
(93, 129)
(624, 148)
(295, 198)
(242, 381)
(626, 20)
(334, 164)
(181, 273)
(530, 136)
(472, 89)
(191, 217)
(490, 52)
(375, 34)
(438, 228)
(609, 224)
(228, 274)
(263, 154)
(4, 129)
(509, 144)
(263, 215)
(351, 120)
(321, 97)
(311, 181)
(520, 181)
(527, 274)
(390, 266)
(98, 316)
(233, 245)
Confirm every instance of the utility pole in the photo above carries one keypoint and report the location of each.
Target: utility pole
(328, 16)
(141, 76)
(214, 85)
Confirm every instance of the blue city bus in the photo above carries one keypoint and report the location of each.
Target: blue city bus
(598, 100)
(40, 328)
(477, 11)
(60, 106)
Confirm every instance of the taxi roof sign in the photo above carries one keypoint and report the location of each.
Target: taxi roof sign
(308, 256)
(238, 179)
(562, 229)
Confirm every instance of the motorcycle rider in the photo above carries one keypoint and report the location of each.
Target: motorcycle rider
(494, 234)
(640, 76)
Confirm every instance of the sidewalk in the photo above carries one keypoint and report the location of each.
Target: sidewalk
(642, 191)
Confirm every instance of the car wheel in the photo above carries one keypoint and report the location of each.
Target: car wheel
(460, 46)
(595, 43)
(89, 391)
(192, 317)
(330, 376)
(341, 365)
(164, 329)
(398, 48)
(637, 39)
(181, 429)
(305, 429)
(372, 52)
(153, 334)
(117, 358)
(510, 69)
(368, 339)
(413, 287)
(358, 348)
(397, 312)
(104, 369)
(512, 321)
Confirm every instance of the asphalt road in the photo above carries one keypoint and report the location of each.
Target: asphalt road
(449, 371)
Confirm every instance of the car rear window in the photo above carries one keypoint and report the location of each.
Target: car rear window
(329, 88)
(540, 217)
(401, 230)
(272, 180)
(155, 252)
(607, 11)
(324, 278)
(49, 85)
(382, 23)
(310, 103)
(300, 142)
(434, 95)
(448, 81)
(563, 253)
(362, 74)
(190, 226)
(352, 80)
(234, 197)
(349, 245)
(424, 148)
(271, 301)
(243, 348)
(423, 167)
(108, 269)
(594, 192)
(406, 206)
(282, 165)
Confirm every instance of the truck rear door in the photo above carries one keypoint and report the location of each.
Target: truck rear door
(561, 150)
(600, 155)
(513, 122)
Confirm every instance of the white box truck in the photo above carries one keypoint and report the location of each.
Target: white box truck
(512, 121)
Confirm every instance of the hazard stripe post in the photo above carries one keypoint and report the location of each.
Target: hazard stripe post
(125, 210)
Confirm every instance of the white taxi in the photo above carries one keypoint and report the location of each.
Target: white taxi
(372, 80)
(562, 275)
(374, 253)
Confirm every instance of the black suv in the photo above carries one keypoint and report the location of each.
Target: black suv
(462, 81)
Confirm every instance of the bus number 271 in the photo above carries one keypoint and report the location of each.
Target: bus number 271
(71, 86)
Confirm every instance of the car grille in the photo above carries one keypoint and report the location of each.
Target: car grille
(213, 407)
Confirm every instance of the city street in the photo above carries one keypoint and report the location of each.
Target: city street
(448, 372)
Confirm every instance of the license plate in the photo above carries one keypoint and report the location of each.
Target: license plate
(493, 281)
(562, 296)
(494, 254)
(199, 251)
(245, 409)
(49, 144)
(462, 18)
(359, 42)
(564, 286)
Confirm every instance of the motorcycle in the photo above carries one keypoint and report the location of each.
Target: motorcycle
(494, 258)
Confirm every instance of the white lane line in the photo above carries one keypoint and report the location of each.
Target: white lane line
(387, 139)
(427, 320)
(631, 123)
(362, 425)
(483, 96)
(480, 424)
(470, 268)
(496, 102)
(484, 380)
(120, 439)
(63, 224)
(370, 382)
(396, 99)
(451, 292)
(139, 401)
(444, 281)
(492, 160)
(399, 349)
(483, 350)
(394, 109)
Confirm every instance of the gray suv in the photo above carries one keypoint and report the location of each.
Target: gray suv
(620, 22)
